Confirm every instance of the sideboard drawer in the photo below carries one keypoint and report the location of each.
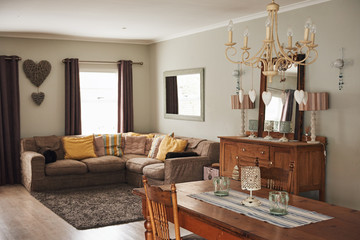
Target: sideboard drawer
(253, 151)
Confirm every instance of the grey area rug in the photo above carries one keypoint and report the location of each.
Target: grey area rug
(94, 207)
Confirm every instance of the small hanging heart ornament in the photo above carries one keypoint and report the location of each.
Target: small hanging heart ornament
(283, 98)
(305, 99)
(299, 96)
(266, 97)
(38, 98)
(252, 95)
(241, 95)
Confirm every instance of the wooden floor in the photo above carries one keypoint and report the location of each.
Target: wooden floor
(22, 217)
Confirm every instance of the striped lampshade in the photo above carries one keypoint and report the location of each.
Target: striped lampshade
(316, 101)
(246, 104)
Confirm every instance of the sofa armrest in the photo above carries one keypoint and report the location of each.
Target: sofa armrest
(32, 168)
(185, 169)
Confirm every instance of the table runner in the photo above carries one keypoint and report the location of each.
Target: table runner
(296, 216)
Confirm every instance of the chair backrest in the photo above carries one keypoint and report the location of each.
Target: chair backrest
(157, 200)
(276, 178)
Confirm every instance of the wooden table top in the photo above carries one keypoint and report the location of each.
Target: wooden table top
(344, 225)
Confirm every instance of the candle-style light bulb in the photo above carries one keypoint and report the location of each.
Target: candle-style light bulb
(290, 34)
(230, 25)
(313, 31)
(246, 35)
(307, 26)
(267, 25)
(230, 29)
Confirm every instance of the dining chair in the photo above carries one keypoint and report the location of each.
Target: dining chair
(276, 178)
(157, 200)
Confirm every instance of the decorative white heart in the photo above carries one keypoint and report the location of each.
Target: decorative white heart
(305, 98)
(299, 96)
(241, 95)
(283, 98)
(252, 95)
(266, 97)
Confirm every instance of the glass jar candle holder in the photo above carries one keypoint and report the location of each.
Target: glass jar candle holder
(278, 202)
(221, 186)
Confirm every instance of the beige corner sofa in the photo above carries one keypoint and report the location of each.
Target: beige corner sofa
(69, 173)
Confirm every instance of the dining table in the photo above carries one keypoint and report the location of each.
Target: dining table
(212, 221)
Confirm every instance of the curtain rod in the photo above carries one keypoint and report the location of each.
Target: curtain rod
(106, 62)
(17, 58)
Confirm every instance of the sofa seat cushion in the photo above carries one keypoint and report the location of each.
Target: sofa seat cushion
(104, 164)
(155, 171)
(127, 157)
(65, 167)
(137, 164)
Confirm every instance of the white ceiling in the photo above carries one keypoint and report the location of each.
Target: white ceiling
(133, 21)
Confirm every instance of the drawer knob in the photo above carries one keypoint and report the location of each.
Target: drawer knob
(237, 157)
(262, 152)
(243, 149)
(270, 163)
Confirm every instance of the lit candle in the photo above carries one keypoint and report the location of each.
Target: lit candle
(246, 35)
(230, 28)
(313, 31)
(308, 24)
(267, 25)
(290, 34)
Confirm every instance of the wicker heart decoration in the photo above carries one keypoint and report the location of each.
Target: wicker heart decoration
(299, 96)
(266, 97)
(252, 95)
(38, 98)
(36, 73)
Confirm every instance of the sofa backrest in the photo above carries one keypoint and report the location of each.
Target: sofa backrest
(203, 147)
(39, 144)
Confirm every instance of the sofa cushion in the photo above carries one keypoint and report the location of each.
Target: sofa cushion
(148, 145)
(112, 144)
(99, 146)
(79, 147)
(65, 167)
(155, 171)
(135, 144)
(127, 157)
(137, 164)
(104, 164)
(170, 144)
(155, 146)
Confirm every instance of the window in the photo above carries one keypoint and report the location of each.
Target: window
(99, 96)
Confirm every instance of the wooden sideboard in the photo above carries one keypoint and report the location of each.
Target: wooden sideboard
(308, 160)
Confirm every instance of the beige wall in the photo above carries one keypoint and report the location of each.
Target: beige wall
(337, 23)
(49, 117)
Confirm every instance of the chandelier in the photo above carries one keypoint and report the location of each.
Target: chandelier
(273, 56)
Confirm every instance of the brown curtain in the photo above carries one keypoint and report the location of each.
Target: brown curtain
(125, 97)
(287, 110)
(72, 97)
(9, 121)
(172, 102)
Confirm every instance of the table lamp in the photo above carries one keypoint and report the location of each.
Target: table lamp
(284, 128)
(253, 127)
(316, 101)
(269, 126)
(250, 180)
(246, 104)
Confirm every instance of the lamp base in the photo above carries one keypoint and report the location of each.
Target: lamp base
(283, 139)
(252, 135)
(313, 142)
(251, 202)
(268, 137)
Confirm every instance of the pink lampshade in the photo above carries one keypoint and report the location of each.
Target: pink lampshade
(316, 101)
(246, 104)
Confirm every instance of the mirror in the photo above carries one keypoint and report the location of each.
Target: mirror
(184, 94)
(283, 106)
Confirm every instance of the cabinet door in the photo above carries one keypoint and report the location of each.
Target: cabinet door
(229, 158)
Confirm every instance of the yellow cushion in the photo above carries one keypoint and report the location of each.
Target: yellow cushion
(149, 135)
(169, 144)
(79, 147)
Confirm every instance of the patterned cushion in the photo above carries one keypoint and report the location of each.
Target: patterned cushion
(155, 146)
(112, 143)
(99, 146)
(169, 144)
(79, 147)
